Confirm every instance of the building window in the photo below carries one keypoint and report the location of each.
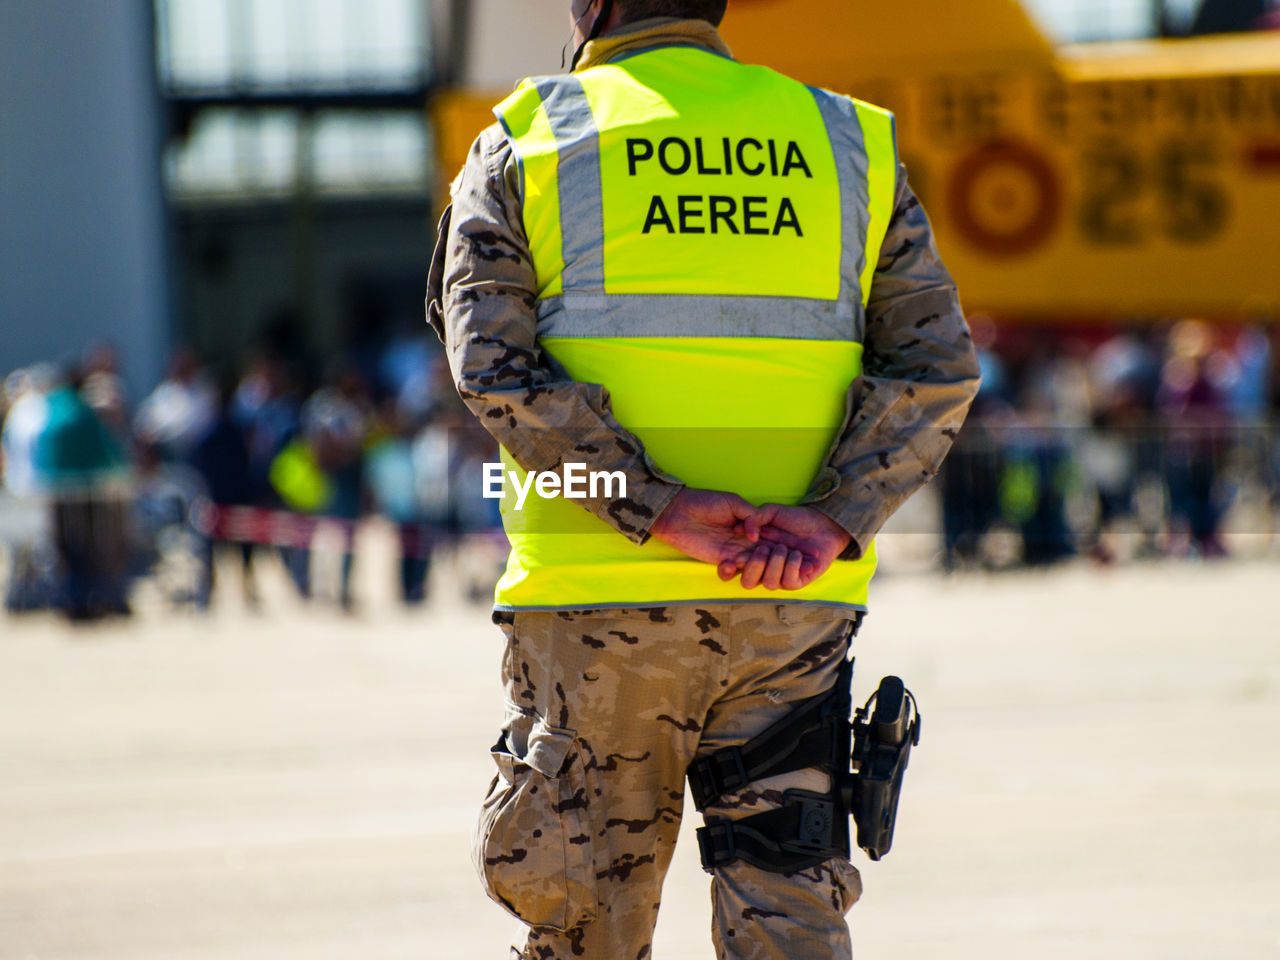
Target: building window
(291, 54)
(242, 153)
(291, 44)
(1084, 21)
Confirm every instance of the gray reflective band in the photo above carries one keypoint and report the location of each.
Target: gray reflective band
(578, 181)
(677, 315)
(844, 130)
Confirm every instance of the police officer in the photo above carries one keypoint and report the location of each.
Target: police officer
(712, 287)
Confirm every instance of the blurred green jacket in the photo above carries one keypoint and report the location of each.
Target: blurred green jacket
(74, 452)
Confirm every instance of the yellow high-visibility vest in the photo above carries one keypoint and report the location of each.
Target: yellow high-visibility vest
(298, 478)
(704, 235)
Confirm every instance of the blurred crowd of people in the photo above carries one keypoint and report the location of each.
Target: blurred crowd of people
(204, 466)
(1135, 442)
(1145, 441)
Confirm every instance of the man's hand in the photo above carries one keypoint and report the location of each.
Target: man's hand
(712, 526)
(795, 546)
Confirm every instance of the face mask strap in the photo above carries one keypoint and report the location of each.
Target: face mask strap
(605, 9)
(565, 49)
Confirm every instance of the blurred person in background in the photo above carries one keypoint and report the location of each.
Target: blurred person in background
(1040, 438)
(221, 457)
(1270, 439)
(970, 476)
(429, 389)
(26, 397)
(179, 410)
(404, 366)
(476, 521)
(1240, 366)
(1106, 453)
(335, 423)
(435, 451)
(1128, 362)
(301, 485)
(1036, 476)
(86, 475)
(165, 543)
(1249, 377)
(104, 389)
(31, 584)
(1192, 403)
(1124, 452)
(395, 488)
(266, 407)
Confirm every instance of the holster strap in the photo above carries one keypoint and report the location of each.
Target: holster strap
(809, 736)
(807, 830)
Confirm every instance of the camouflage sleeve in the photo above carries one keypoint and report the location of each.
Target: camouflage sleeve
(481, 293)
(919, 376)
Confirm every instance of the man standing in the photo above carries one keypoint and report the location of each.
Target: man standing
(714, 282)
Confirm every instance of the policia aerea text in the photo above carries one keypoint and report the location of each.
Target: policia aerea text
(699, 213)
(715, 281)
(676, 157)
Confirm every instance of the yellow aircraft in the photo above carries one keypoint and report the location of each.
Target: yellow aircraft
(1094, 182)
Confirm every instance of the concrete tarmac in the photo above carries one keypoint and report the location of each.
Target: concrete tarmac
(1099, 776)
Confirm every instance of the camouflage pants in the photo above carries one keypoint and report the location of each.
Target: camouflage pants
(605, 711)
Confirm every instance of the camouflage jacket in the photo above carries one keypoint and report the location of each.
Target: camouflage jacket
(920, 371)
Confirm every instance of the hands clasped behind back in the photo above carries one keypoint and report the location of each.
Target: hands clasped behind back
(774, 546)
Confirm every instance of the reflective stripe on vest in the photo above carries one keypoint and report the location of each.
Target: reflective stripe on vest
(704, 235)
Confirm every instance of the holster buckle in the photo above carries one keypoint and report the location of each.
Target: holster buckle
(815, 828)
(716, 774)
(715, 844)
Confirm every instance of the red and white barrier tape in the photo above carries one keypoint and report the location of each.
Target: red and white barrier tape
(281, 528)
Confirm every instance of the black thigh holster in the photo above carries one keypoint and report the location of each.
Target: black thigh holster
(865, 761)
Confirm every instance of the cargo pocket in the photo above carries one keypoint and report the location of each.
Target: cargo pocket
(533, 843)
(846, 882)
